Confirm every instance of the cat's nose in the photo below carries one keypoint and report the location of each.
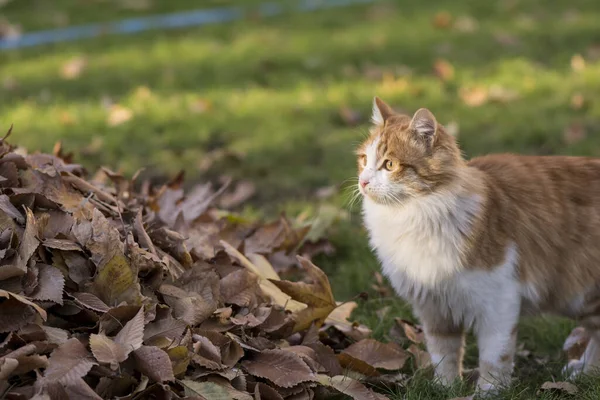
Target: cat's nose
(364, 183)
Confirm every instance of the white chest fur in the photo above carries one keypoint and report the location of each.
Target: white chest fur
(423, 239)
(419, 246)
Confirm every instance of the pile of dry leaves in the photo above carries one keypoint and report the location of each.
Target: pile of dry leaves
(113, 291)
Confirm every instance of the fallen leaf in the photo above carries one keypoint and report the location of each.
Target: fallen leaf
(118, 115)
(350, 387)
(443, 70)
(388, 356)
(154, 363)
(564, 387)
(131, 336)
(107, 351)
(283, 368)
(206, 390)
(317, 296)
(69, 362)
(51, 284)
(413, 332)
(577, 63)
(466, 24)
(442, 20)
(242, 192)
(422, 358)
(474, 96)
(73, 68)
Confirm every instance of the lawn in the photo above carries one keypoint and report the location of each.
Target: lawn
(288, 98)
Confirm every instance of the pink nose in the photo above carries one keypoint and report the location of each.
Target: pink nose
(363, 183)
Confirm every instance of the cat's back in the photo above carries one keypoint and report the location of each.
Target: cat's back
(549, 206)
(540, 173)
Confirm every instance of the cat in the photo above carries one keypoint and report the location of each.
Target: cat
(476, 244)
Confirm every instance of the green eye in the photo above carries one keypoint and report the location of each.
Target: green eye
(389, 165)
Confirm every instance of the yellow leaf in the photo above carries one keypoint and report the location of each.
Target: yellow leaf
(317, 296)
(116, 282)
(180, 359)
(267, 286)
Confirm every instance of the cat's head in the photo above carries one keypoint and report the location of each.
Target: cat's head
(405, 157)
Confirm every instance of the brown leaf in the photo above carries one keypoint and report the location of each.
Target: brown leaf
(474, 96)
(442, 20)
(14, 315)
(422, 358)
(564, 387)
(413, 332)
(338, 318)
(165, 328)
(51, 284)
(466, 24)
(154, 363)
(90, 301)
(107, 351)
(349, 387)
(577, 63)
(73, 68)
(239, 288)
(355, 364)
(118, 115)
(388, 356)
(243, 191)
(131, 336)
(21, 299)
(317, 296)
(443, 70)
(263, 391)
(206, 390)
(68, 362)
(283, 368)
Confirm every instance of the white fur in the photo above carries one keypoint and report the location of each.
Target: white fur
(376, 117)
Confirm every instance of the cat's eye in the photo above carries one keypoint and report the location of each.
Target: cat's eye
(389, 165)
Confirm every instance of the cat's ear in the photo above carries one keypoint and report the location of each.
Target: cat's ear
(381, 111)
(424, 124)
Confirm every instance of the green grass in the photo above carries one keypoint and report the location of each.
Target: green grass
(274, 89)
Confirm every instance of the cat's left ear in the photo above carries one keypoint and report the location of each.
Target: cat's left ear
(381, 111)
(424, 124)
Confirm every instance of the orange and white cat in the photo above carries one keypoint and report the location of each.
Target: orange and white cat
(475, 244)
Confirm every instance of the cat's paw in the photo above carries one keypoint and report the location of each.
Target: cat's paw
(573, 369)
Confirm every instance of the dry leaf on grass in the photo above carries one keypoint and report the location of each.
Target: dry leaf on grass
(118, 115)
(564, 387)
(317, 296)
(413, 332)
(73, 68)
(388, 356)
(422, 357)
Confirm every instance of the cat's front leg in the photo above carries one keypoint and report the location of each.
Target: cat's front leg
(496, 332)
(445, 341)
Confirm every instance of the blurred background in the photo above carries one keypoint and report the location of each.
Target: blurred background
(278, 95)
